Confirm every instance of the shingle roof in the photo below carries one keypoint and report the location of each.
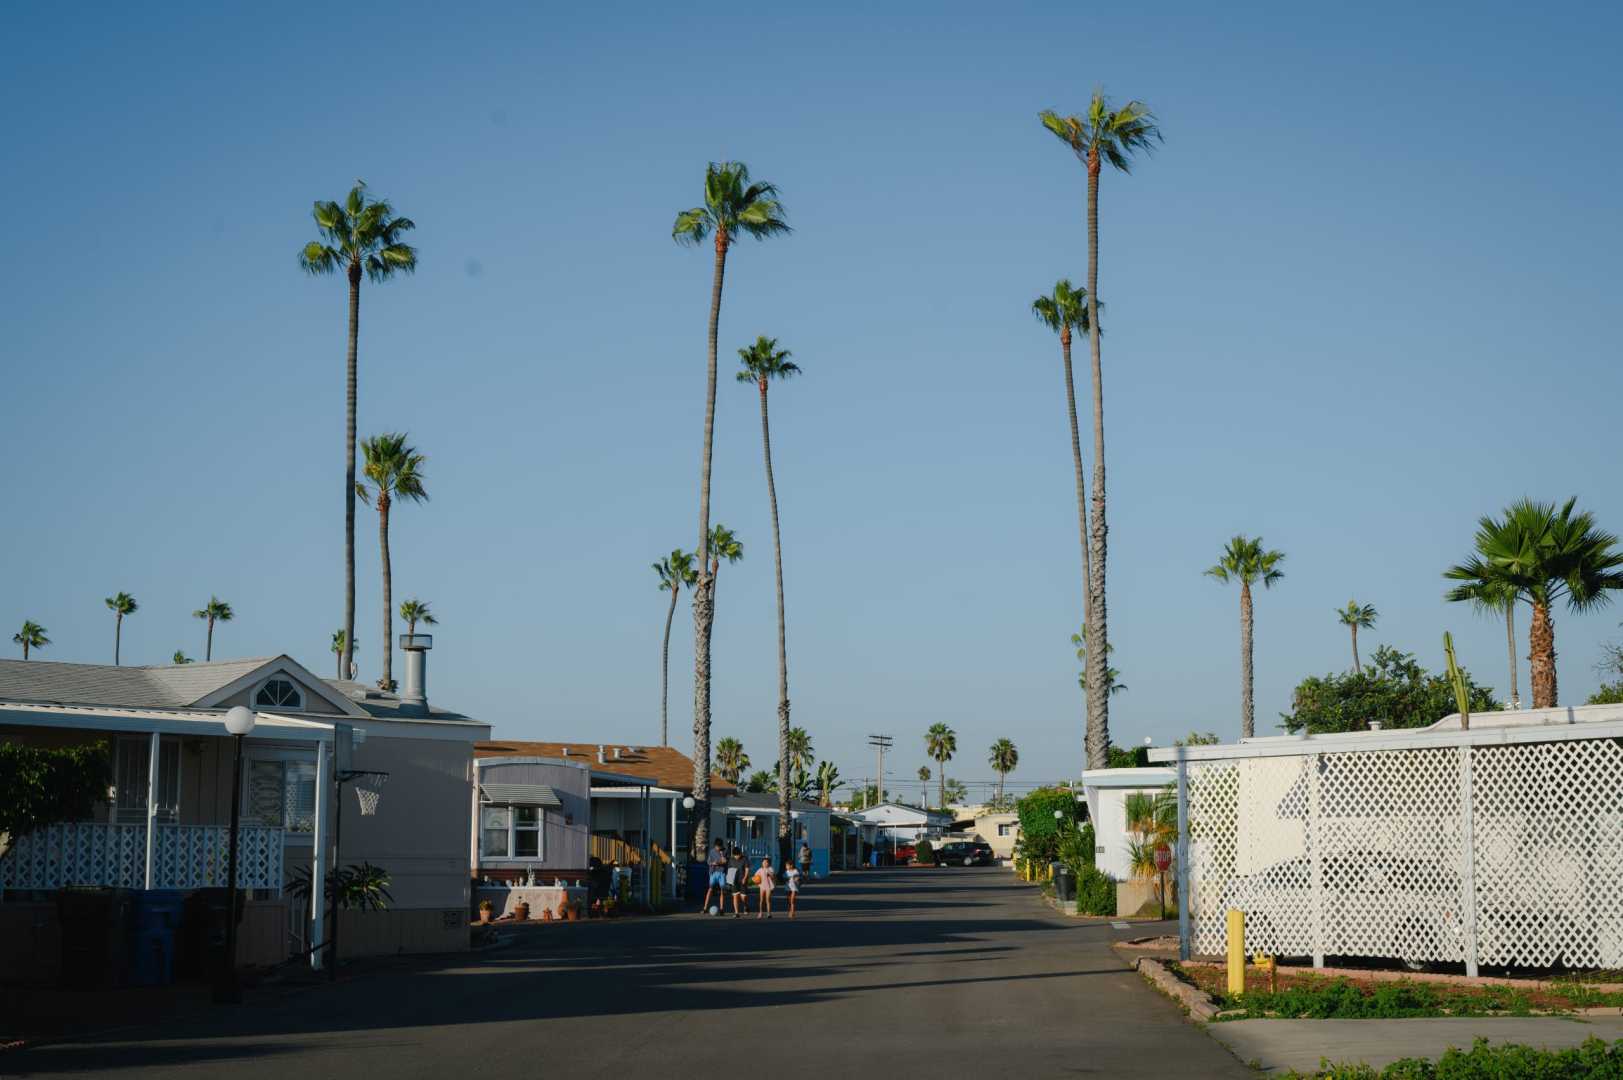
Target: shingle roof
(666, 767)
(745, 800)
(168, 687)
(382, 705)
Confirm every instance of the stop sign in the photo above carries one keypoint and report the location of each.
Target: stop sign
(1163, 858)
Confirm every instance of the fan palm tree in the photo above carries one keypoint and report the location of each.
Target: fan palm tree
(1245, 561)
(1113, 683)
(924, 781)
(1356, 617)
(121, 605)
(941, 742)
(1103, 134)
(31, 636)
(1003, 760)
(1065, 310)
(395, 470)
(339, 640)
(216, 610)
(1489, 593)
(733, 207)
(731, 760)
(180, 658)
(416, 611)
(1545, 554)
(763, 363)
(359, 235)
(675, 571)
(724, 544)
(828, 778)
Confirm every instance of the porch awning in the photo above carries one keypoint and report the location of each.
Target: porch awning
(521, 795)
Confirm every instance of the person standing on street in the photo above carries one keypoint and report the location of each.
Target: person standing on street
(804, 859)
(717, 862)
(791, 885)
(765, 878)
(738, 872)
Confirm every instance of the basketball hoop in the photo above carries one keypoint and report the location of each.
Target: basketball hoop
(368, 789)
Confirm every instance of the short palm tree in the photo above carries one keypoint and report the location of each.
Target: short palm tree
(394, 469)
(121, 605)
(1245, 561)
(1004, 759)
(1113, 683)
(180, 658)
(724, 544)
(731, 760)
(359, 235)
(828, 778)
(675, 571)
(1356, 617)
(764, 363)
(1489, 593)
(1152, 821)
(924, 782)
(1103, 134)
(339, 641)
(31, 636)
(941, 742)
(1545, 553)
(416, 611)
(216, 610)
(733, 207)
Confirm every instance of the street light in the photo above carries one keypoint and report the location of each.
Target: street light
(239, 721)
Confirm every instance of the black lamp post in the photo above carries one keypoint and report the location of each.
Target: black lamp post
(239, 721)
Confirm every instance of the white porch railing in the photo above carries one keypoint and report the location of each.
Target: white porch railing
(185, 857)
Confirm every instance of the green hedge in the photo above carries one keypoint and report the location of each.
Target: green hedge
(1095, 892)
(1594, 1060)
(1039, 835)
(44, 786)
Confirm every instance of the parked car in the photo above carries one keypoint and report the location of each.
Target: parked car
(965, 853)
(905, 853)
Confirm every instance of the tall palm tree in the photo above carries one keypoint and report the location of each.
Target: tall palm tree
(180, 658)
(339, 641)
(395, 470)
(924, 790)
(1355, 617)
(1111, 135)
(941, 742)
(31, 636)
(733, 207)
(1489, 593)
(1545, 554)
(1004, 759)
(1245, 561)
(675, 571)
(731, 760)
(828, 778)
(359, 235)
(216, 610)
(763, 362)
(121, 605)
(416, 611)
(1113, 683)
(1065, 310)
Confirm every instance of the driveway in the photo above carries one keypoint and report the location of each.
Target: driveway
(893, 973)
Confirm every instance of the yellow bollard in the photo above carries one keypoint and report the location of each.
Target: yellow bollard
(1236, 951)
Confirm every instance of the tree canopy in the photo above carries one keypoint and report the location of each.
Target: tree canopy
(1393, 689)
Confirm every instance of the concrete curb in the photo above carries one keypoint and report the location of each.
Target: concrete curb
(1197, 1001)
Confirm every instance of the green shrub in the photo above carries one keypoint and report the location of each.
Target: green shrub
(1593, 1060)
(924, 853)
(1075, 849)
(45, 786)
(1039, 832)
(1339, 999)
(1095, 892)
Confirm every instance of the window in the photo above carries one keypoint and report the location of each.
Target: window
(279, 693)
(511, 832)
(1005, 828)
(130, 780)
(281, 794)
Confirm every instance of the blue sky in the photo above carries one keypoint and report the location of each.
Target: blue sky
(1363, 294)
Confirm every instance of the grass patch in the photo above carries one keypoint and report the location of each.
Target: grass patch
(1594, 1060)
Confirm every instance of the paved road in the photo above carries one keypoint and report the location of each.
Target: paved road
(950, 973)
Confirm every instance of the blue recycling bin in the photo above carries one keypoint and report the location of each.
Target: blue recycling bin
(156, 918)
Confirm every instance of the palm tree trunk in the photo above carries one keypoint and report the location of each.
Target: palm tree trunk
(665, 672)
(25, 648)
(1000, 788)
(350, 379)
(784, 823)
(208, 649)
(1541, 656)
(1098, 635)
(338, 659)
(1082, 526)
(704, 605)
(1246, 715)
(386, 682)
(1356, 667)
(1510, 637)
(941, 778)
(118, 635)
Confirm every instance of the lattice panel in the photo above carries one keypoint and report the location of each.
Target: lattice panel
(185, 857)
(1548, 840)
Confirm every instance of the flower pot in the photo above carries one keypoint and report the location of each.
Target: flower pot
(486, 914)
(574, 914)
(521, 911)
(546, 914)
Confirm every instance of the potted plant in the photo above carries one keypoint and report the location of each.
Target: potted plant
(574, 910)
(521, 911)
(563, 908)
(546, 914)
(487, 911)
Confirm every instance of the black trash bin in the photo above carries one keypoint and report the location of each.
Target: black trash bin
(1064, 883)
(201, 951)
(95, 930)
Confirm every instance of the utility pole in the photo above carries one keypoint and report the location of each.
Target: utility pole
(881, 743)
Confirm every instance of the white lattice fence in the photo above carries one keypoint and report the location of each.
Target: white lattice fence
(185, 857)
(1406, 853)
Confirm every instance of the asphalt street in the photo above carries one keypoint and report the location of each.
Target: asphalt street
(887, 973)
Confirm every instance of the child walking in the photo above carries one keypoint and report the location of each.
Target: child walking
(765, 879)
(791, 884)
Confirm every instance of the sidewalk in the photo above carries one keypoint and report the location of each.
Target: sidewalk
(1282, 1045)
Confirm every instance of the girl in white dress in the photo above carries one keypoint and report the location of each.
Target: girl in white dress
(791, 882)
(765, 879)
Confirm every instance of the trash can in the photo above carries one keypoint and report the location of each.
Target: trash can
(1064, 883)
(155, 919)
(201, 948)
(95, 924)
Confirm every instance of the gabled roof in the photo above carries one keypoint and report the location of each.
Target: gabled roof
(767, 802)
(170, 686)
(666, 767)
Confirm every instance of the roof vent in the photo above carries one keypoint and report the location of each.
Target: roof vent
(566, 751)
(616, 753)
(600, 754)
